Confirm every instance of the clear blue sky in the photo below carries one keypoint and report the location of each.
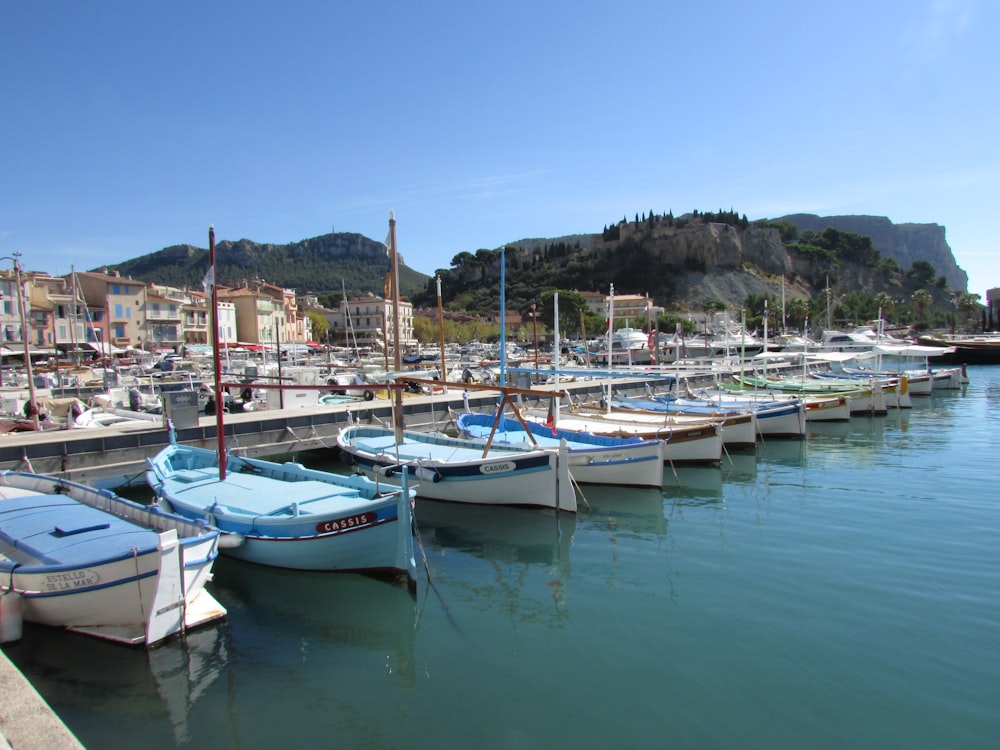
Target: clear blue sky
(127, 127)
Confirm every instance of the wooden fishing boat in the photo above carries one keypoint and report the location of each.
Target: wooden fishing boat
(593, 459)
(91, 561)
(695, 443)
(462, 470)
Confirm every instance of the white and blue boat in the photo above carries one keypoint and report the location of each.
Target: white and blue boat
(593, 459)
(462, 470)
(286, 515)
(88, 560)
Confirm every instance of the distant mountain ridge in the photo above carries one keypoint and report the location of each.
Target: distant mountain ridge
(322, 264)
(683, 263)
(904, 243)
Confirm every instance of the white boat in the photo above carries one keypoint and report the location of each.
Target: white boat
(774, 417)
(462, 470)
(107, 416)
(93, 562)
(698, 443)
(864, 396)
(629, 346)
(593, 459)
(739, 425)
(860, 340)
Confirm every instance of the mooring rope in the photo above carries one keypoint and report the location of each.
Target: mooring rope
(430, 581)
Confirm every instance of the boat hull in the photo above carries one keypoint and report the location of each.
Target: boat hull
(699, 444)
(129, 572)
(455, 470)
(288, 516)
(592, 459)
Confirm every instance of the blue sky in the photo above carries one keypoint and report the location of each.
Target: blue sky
(127, 127)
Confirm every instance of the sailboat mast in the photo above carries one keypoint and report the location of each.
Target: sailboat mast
(444, 365)
(216, 360)
(397, 358)
(503, 316)
(74, 321)
(611, 333)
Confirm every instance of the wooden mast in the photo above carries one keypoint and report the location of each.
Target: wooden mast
(397, 358)
(216, 360)
(444, 366)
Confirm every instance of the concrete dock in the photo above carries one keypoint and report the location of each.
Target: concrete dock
(26, 720)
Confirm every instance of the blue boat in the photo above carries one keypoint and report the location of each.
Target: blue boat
(288, 516)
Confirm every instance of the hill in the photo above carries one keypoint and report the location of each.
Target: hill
(690, 262)
(687, 263)
(318, 265)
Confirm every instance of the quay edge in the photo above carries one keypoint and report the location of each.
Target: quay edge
(114, 457)
(27, 722)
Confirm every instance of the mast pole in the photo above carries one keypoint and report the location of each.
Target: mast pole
(503, 316)
(33, 408)
(216, 361)
(397, 358)
(444, 366)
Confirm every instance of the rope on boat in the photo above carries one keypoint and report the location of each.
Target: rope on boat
(313, 435)
(579, 490)
(673, 469)
(430, 581)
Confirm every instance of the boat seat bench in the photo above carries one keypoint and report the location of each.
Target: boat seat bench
(61, 530)
(256, 498)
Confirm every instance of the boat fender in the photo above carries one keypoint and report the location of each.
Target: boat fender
(11, 613)
(230, 541)
(429, 475)
(369, 395)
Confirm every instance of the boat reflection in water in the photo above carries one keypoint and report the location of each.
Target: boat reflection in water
(169, 681)
(310, 619)
(634, 511)
(784, 452)
(516, 560)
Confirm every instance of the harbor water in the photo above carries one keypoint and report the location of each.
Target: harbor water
(837, 592)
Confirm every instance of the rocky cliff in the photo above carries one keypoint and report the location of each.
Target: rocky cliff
(690, 261)
(904, 243)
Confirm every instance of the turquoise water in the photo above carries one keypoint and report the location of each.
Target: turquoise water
(843, 591)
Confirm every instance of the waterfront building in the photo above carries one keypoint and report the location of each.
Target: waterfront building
(368, 321)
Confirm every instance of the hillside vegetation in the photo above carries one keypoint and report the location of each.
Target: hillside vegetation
(698, 262)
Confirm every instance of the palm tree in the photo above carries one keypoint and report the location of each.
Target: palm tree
(921, 300)
(886, 303)
(967, 303)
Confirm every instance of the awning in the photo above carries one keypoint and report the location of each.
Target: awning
(103, 347)
(913, 350)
